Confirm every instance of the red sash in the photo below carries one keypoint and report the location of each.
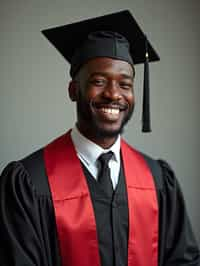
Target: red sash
(74, 213)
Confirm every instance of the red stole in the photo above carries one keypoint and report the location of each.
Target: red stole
(74, 213)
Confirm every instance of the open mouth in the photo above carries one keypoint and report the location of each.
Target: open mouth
(110, 112)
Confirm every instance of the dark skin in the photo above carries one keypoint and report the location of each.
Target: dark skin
(103, 91)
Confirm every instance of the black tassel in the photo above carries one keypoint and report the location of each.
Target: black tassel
(146, 122)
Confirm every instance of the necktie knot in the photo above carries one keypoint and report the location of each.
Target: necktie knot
(105, 158)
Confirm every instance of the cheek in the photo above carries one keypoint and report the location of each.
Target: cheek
(130, 98)
(92, 93)
(85, 98)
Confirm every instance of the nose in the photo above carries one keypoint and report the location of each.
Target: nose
(112, 91)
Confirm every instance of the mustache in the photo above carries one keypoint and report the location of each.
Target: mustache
(109, 104)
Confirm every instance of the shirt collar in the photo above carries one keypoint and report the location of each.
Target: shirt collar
(90, 151)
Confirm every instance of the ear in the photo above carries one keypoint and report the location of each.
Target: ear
(72, 90)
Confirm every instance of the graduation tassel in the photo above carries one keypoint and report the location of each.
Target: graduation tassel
(146, 123)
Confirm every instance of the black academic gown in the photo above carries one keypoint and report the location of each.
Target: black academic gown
(28, 234)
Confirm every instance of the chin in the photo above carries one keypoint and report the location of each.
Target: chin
(107, 132)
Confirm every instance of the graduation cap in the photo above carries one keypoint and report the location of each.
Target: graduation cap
(115, 35)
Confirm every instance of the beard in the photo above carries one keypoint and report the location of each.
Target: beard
(85, 115)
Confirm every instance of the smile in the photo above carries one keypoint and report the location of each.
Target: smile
(112, 111)
(108, 114)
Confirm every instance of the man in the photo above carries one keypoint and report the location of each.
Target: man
(88, 198)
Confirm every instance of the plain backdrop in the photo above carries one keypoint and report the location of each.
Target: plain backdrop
(34, 103)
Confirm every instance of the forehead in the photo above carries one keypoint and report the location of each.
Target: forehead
(106, 65)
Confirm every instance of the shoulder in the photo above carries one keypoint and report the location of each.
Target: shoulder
(35, 167)
(27, 173)
(162, 172)
(164, 176)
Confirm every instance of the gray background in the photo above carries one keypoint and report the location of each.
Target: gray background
(34, 103)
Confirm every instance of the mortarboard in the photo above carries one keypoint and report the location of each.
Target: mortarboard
(115, 35)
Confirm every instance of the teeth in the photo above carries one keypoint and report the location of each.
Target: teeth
(110, 111)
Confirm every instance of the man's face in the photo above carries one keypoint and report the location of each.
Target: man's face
(104, 96)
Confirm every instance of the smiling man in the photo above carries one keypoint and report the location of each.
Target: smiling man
(88, 198)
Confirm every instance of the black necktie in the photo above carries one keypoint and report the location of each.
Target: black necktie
(104, 173)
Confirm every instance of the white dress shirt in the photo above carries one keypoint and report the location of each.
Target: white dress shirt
(89, 152)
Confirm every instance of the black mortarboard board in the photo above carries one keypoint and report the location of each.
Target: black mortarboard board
(72, 42)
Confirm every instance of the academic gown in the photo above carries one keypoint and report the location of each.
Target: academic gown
(28, 235)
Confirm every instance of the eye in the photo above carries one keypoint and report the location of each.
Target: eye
(126, 85)
(98, 82)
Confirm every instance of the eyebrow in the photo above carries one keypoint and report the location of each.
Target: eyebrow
(126, 76)
(123, 75)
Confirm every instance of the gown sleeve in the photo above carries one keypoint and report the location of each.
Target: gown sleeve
(178, 246)
(26, 235)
